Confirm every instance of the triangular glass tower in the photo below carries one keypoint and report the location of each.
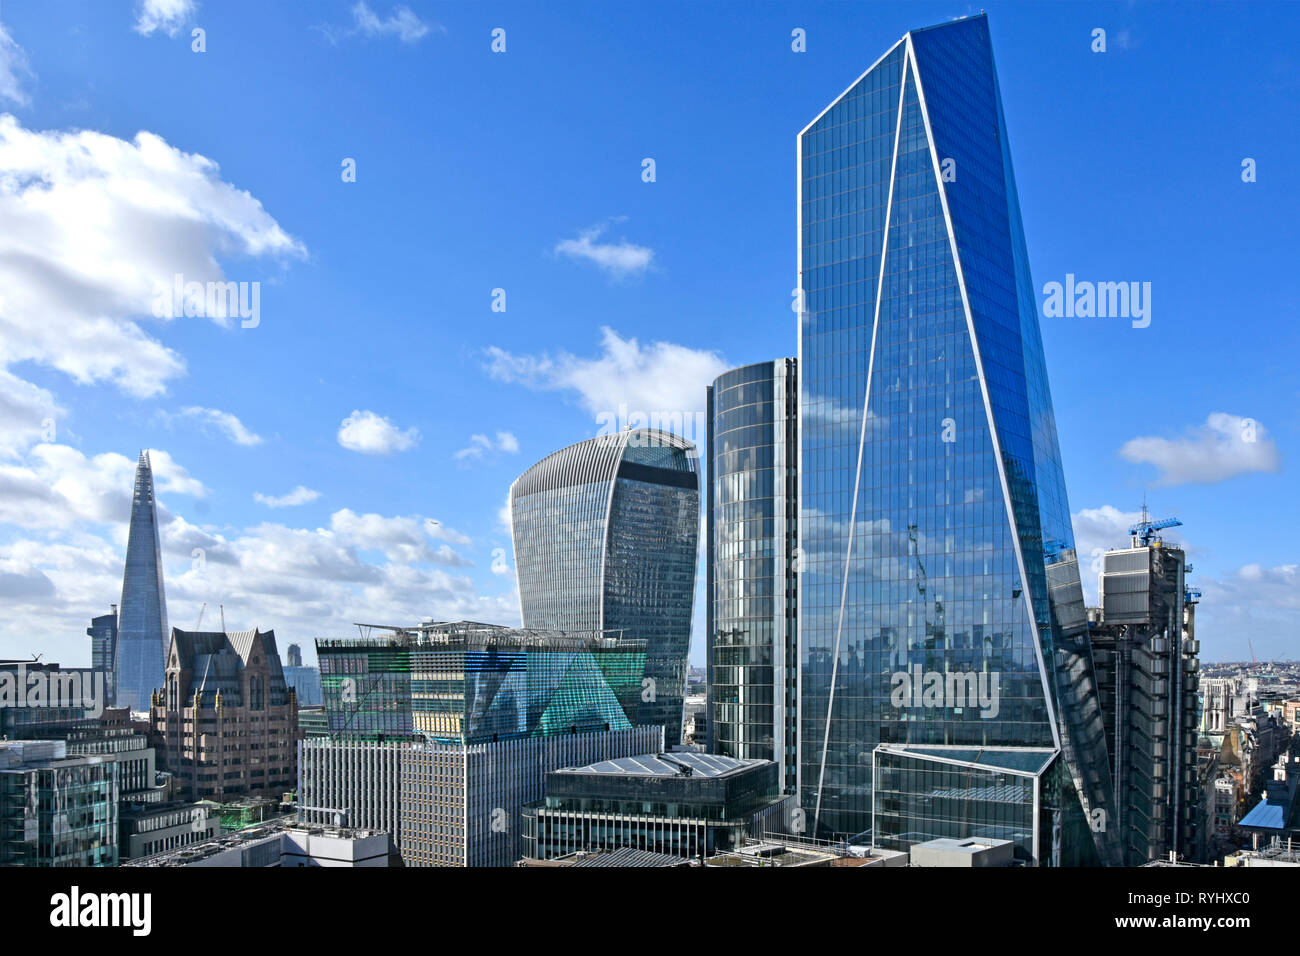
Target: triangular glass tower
(946, 674)
(142, 619)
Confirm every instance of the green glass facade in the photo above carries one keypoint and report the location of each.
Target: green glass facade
(477, 684)
(55, 810)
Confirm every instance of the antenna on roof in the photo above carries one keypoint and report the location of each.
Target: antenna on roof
(223, 618)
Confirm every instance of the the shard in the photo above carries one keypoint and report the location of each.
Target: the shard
(142, 619)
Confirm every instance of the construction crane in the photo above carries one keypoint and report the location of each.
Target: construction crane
(199, 624)
(1191, 595)
(1145, 530)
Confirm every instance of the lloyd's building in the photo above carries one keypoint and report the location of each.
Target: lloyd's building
(946, 686)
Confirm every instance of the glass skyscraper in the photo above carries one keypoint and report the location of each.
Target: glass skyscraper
(142, 633)
(605, 537)
(752, 654)
(940, 615)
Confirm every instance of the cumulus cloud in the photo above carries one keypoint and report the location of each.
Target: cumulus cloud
(662, 378)
(304, 582)
(13, 66)
(26, 414)
(404, 539)
(373, 434)
(1224, 447)
(619, 259)
(56, 486)
(300, 495)
(1253, 604)
(481, 446)
(166, 16)
(224, 423)
(90, 227)
(401, 23)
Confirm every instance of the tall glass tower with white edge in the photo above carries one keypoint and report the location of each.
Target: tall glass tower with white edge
(606, 536)
(946, 682)
(142, 634)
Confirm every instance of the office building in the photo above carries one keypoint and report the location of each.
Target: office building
(225, 723)
(940, 614)
(605, 537)
(138, 780)
(962, 853)
(305, 682)
(751, 536)
(103, 650)
(282, 843)
(682, 804)
(42, 700)
(1147, 665)
(56, 809)
(147, 829)
(441, 733)
(142, 634)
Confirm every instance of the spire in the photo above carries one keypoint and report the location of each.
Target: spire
(142, 628)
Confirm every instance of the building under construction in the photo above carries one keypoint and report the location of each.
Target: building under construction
(1146, 657)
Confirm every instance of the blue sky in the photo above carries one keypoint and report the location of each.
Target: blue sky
(378, 357)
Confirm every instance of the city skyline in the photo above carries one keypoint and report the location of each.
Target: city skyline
(303, 490)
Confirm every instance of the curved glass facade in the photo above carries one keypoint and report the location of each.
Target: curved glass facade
(606, 535)
(142, 634)
(940, 602)
(752, 650)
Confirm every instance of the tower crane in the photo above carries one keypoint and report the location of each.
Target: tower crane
(1145, 530)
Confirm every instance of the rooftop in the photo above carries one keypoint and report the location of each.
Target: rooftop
(679, 763)
(471, 635)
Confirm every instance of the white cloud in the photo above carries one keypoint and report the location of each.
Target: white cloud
(90, 225)
(403, 539)
(662, 378)
(26, 413)
(226, 423)
(304, 582)
(1254, 604)
(481, 446)
(165, 15)
(13, 66)
(620, 259)
(300, 495)
(375, 435)
(56, 486)
(401, 23)
(504, 520)
(1224, 447)
(1096, 531)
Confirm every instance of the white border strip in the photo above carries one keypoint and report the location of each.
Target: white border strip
(862, 438)
(988, 408)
